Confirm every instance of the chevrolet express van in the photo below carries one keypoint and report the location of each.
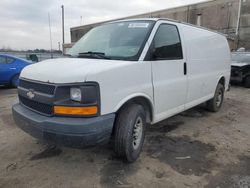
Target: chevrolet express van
(120, 77)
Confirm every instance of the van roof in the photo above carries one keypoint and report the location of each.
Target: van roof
(166, 19)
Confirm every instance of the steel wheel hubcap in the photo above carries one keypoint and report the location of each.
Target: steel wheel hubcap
(219, 99)
(137, 133)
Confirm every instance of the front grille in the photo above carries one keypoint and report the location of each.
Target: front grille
(37, 106)
(43, 88)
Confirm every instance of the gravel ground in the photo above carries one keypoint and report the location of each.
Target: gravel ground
(193, 149)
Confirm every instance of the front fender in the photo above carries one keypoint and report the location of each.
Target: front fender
(130, 97)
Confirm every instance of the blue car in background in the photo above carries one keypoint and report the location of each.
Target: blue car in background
(10, 68)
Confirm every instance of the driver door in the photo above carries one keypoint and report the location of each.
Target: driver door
(168, 71)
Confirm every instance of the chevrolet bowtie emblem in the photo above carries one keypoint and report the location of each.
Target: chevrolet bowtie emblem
(30, 94)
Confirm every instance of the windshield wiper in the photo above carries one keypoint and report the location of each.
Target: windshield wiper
(98, 55)
(68, 55)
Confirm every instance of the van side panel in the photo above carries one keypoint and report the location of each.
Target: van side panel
(118, 85)
(208, 59)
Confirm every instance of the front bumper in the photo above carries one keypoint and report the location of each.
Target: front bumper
(67, 131)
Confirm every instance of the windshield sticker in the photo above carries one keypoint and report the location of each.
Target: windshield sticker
(138, 25)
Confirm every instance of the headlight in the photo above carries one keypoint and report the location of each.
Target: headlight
(78, 100)
(75, 94)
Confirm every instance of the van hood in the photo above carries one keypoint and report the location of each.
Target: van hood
(69, 70)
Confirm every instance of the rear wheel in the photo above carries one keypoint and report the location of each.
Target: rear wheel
(247, 82)
(215, 103)
(129, 132)
(15, 81)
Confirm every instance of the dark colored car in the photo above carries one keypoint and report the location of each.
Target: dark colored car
(240, 68)
(10, 68)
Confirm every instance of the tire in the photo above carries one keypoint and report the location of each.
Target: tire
(129, 133)
(247, 82)
(215, 103)
(15, 81)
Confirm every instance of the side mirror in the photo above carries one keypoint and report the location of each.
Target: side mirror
(155, 54)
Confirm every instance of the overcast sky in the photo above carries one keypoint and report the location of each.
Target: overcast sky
(24, 23)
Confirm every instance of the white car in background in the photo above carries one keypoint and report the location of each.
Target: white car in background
(122, 76)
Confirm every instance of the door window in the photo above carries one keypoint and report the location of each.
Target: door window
(166, 43)
(2, 60)
(6, 60)
(9, 60)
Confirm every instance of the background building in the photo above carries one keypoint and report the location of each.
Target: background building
(231, 17)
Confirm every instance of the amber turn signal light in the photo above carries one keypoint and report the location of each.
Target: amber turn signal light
(69, 110)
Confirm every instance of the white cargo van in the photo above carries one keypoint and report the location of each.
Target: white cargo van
(120, 77)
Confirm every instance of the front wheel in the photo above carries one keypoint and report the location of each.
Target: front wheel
(15, 81)
(215, 103)
(247, 82)
(129, 132)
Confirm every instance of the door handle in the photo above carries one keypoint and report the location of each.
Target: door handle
(13, 68)
(185, 68)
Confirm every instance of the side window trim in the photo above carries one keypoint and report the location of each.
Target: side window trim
(151, 47)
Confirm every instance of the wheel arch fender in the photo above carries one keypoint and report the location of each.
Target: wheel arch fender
(222, 80)
(13, 76)
(139, 98)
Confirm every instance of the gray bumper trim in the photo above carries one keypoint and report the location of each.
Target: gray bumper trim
(85, 131)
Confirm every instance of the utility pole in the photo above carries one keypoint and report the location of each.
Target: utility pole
(62, 27)
(59, 46)
(188, 7)
(81, 20)
(50, 37)
(238, 24)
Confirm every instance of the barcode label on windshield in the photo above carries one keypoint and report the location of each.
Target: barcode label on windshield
(138, 25)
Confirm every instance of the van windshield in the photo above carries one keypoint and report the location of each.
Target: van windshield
(119, 41)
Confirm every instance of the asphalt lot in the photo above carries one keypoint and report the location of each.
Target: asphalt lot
(194, 149)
